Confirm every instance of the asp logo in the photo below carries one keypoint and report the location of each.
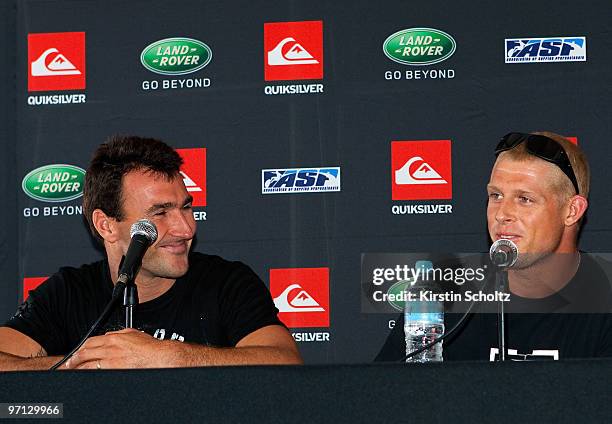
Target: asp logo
(56, 61)
(421, 170)
(552, 49)
(300, 180)
(301, 296)
(293, 50)
(194, 173)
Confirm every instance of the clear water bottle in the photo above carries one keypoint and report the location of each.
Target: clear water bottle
(423, 323)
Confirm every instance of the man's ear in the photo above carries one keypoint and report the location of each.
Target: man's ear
(577, 208)
(105, 225)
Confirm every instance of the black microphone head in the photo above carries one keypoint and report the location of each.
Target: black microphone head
(503, 253)
(146, 228)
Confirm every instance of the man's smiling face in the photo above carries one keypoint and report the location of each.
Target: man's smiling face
(167, 204)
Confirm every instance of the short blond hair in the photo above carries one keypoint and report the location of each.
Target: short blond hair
(577, 158)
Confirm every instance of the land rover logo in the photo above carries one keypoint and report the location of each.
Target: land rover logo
(419, 46)
(176, 56)
(396, 291)
(54, 183)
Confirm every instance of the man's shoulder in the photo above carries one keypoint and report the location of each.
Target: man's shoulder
(593, 283)
(602, 260)
(93, 271)
(598, 266)
(199, 259)
(86, 275)
(203, 264)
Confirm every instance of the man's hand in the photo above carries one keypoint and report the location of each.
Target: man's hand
(128, 348)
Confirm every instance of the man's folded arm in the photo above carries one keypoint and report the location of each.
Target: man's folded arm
(269, 345)
(19, 352)
(129, 348)
(272, 345)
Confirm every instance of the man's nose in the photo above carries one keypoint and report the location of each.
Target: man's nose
(183, 225)
(505, 212)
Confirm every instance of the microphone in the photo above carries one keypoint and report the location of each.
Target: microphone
(503, 253)
(143, 234)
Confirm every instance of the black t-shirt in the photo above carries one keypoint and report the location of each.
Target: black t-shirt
(557, 334)
(216, 303)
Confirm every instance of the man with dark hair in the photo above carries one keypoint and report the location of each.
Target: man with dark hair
(193, 310)
(560, 297)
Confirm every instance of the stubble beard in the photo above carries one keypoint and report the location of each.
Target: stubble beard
(160, 266)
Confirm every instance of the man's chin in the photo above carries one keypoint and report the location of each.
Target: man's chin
(173, 268)
(178, 269)
(528, 259)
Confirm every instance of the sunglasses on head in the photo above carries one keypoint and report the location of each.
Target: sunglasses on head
(542, 147)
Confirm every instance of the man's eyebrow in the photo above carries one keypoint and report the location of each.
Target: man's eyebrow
(167, 205)
(159, 206)
(521, 191)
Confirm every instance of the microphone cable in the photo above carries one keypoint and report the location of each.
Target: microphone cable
(117, 291)
(143, 233)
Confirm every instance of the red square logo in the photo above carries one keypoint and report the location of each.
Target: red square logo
(293, 50)
(421, 170)
(194, 173)
(30, 283)
(573, 140)
(301, 296)
(56, 61)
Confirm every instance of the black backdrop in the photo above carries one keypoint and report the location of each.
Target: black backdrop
(350, 125)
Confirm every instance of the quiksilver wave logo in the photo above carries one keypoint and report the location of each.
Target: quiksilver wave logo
(419, 46)
(54, 183)
(176, 56)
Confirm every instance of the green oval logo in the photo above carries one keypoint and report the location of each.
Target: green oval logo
(176, 56)
(54, 183)
(396, 291)
(419, 46)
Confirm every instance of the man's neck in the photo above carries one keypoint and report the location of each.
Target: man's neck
(545, 277)
(152, 288)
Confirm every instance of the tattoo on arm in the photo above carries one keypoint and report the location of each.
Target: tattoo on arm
(41, 353)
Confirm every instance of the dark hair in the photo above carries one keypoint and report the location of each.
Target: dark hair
(112, 161)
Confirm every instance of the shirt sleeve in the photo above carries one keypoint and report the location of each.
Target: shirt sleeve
(245, 304)
(38, 316)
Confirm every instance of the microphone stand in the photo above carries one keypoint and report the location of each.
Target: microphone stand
(130, 299)
(119, 288)
(503, 254)
(143, 233)
(501, 283)
(126, 286)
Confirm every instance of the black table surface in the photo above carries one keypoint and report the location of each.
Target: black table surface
(552, 391)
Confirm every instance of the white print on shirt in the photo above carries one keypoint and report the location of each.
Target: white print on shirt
(160, 334)
(536, 354)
